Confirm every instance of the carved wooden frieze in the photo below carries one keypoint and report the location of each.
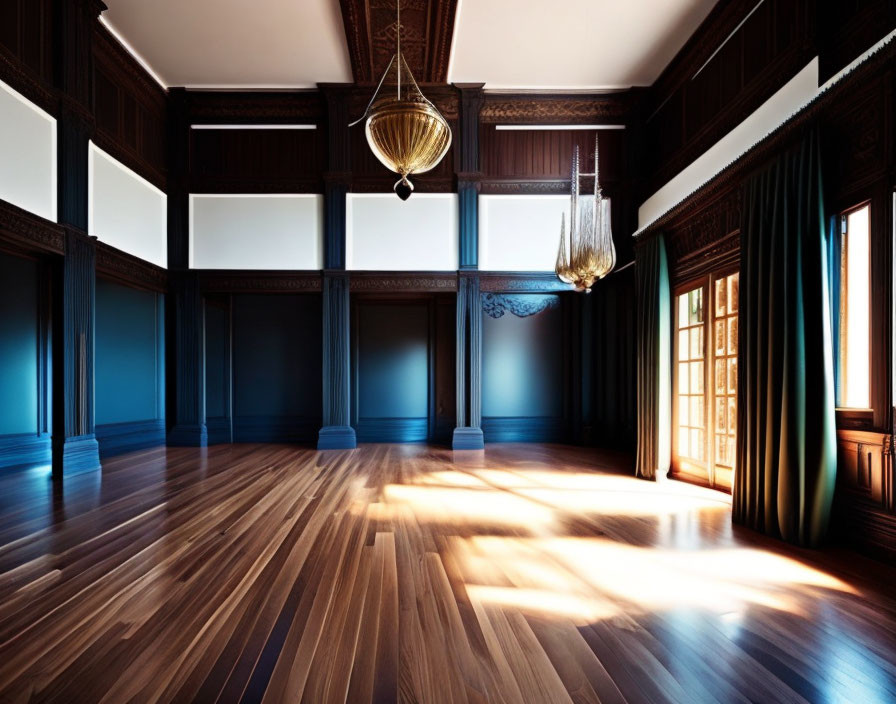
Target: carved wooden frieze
(385, 282)
(259, 282)
(521, 282)
(29, 232)
(524, 108)
(129, 269)
(495, 305)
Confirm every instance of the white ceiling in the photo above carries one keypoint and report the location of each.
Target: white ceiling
(521, 44)
(235, 43)
(574, 44)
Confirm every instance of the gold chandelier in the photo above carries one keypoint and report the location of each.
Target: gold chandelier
(591, 254)
(405, 131)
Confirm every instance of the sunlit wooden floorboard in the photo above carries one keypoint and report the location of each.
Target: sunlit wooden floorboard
(531, 573)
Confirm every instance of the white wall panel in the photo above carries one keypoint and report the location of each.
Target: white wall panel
(27, 155)
(257, 231)
(384, 233)
(125, 210)
(520, 233)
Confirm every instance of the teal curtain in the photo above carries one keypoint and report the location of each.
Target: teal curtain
(786, 440)
(654, 359)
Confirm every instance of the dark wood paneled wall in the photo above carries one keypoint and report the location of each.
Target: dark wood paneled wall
(26, 49)
(855, 118)
(129, 108)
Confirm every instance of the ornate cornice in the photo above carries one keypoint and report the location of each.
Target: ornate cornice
(129, 269)
(243, 106)
(495, 305)
(386, 282)
(547, 108)
(260, 281)
(28, 232)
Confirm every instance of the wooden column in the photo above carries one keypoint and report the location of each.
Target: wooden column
(185, 308)
(468, 433)
(336, 432)
(74, 444)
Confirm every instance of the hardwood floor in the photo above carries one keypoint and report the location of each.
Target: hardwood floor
(404, 573)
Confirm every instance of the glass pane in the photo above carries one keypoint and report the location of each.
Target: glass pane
(683, 376)
(696, 343)
(721, 415)
(855, 323)
(699, 448)
(683, 310)
(732, 335)
(721, 449)
(695, 304)
(732, 375)
(683, 410)
(721, 297)
(720, 383)
(683, 435)
(682, 345)
(696, 413)
(733, 282)
(720, 337)
(696, 377)
(732, 415)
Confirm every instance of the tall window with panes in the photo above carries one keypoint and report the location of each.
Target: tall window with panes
(704, 442)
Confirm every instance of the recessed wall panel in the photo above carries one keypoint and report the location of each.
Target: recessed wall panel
(270, 231)
(27, 155)
(384, 233)
(125, 210)
(520, 233)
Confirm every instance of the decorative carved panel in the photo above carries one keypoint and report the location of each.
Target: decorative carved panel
(259, 282)
(130, 270)
(495, 305)
(426, 30)
(398, 282)
(555, 109)
(23, 231)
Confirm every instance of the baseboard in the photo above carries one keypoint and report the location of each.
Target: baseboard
(76, 455)
(865, 525)
(297, 429)
(118, 438)
(219, 430)
(25, 449)
(525, 429)
(337, 437)
(393, 429)
(467, 439)
(188, 436)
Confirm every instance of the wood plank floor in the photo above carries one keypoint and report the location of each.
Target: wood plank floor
(531, 573)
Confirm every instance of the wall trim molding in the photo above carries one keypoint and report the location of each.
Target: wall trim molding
(118, 438)
(25, 449)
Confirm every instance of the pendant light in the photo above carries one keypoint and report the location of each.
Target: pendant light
(405, 131)
(591, 255)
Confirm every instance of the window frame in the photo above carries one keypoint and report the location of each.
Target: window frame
(854, 415)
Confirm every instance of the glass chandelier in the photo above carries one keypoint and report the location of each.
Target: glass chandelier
(405, 131)
(591, 254)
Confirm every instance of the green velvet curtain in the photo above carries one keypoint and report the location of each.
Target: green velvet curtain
(654, 359)
(786, 438)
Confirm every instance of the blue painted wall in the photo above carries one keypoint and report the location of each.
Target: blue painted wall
(130, 368)
(392, 372)
(276, 368)
(524, 381)
(217, 370)
(19, 345)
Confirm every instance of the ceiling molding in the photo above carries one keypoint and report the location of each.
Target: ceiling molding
(427, 28)
(557, 109)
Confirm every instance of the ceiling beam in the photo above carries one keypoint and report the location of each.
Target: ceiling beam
(427, 27)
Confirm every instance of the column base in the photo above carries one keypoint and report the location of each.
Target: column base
(467, 439)
(75, 455)
(188, 436)
(337, 437)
